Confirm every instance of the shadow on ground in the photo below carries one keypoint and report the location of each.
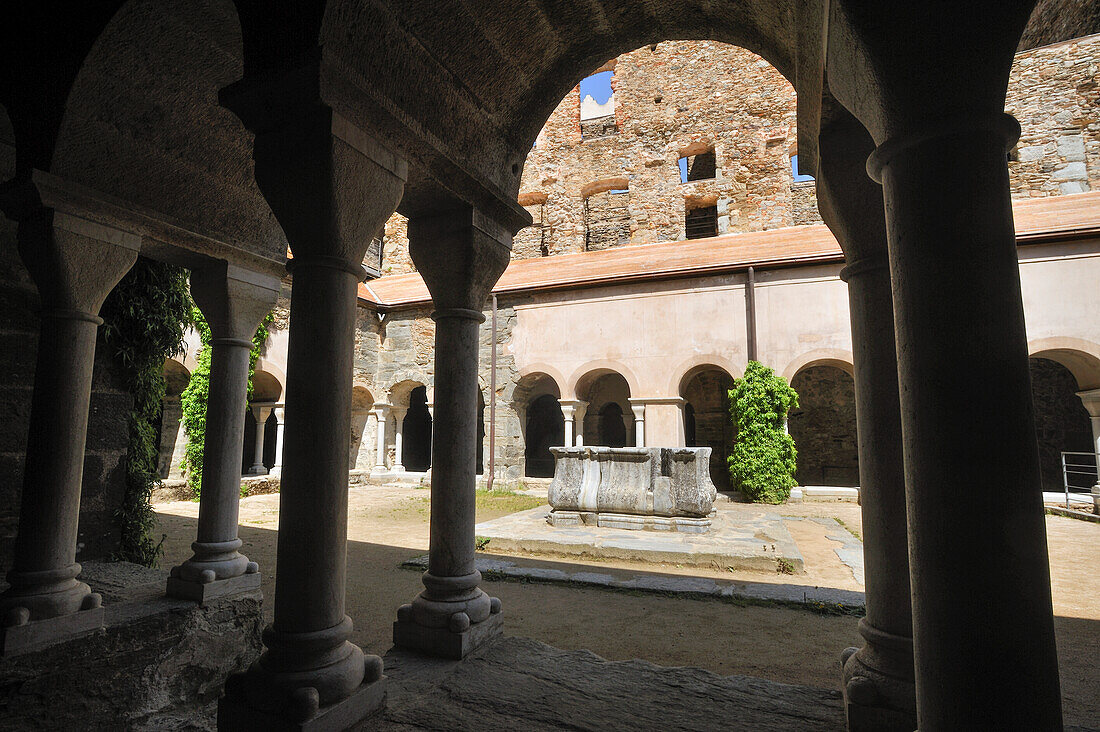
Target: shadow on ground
(776, 643)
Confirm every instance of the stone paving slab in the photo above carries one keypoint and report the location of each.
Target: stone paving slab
(756, 541)
(494, 568)
(521, 684)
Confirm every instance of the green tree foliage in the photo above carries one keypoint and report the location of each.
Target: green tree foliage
(762, 465)
(143, 324)
(194, 398)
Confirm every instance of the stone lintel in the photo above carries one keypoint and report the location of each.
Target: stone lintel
(203, 593)
(235, 714)
(39, 634)
(441, 642)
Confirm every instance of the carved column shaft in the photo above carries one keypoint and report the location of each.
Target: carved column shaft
(234, 302)
(75, 264)
(969, 432)
(332, 187)
(460, 256)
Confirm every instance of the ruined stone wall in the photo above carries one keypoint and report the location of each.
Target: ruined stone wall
(1054, 92)
(679, 96)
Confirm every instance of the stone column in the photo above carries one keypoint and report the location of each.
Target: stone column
(381, 416)
(877, 678)
(233, 302)
(74, 263)
(331, 186)
(399, 438)
(260, 412)
(579, 410)
(567, 411)
(968, 430)
(277, 468)
(637, 406)
(460, 256)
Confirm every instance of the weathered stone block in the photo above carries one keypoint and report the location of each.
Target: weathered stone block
(607, 486)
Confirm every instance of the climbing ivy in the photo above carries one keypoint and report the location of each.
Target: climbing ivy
(762, 465)
(194, 398)
(143, 324)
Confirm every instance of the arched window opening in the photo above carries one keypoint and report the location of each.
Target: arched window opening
(609, 419)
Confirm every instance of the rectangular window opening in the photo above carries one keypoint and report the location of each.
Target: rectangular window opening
(698, 167)
(702, 222)
(607, 219)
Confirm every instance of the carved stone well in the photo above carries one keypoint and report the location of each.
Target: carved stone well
(653, 488)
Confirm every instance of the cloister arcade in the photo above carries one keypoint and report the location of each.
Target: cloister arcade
(215, 135)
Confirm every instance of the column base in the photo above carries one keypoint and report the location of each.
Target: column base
(204, 592)
(443, 642)
(234, 712)
(257, 470)
(874, 701)
(37, 634)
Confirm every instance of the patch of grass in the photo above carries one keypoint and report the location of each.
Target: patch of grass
(783, 566)
(848, 528)
(506, 501)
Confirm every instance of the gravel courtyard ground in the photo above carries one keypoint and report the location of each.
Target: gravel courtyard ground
(389, 525)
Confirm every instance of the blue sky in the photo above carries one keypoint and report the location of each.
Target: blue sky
(597, 86)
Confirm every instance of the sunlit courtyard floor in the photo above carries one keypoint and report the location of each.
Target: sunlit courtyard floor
(389, 525)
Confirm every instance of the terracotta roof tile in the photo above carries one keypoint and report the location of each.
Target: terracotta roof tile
(1036, 219)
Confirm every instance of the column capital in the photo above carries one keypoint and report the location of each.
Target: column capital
(75, 263)
(354, 182)
(233, 300)
(850, 202)
(261, 412)
(460, 254)
(1091, 399)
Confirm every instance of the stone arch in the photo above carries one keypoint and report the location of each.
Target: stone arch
(824, 424)
(1080, 357)
(535, 402)
(687, 368)
(609, 419)
(1062, 422)
(707, 422)
(841, 359)
(594, 369)
(363, 429)
(154, 73)
(543, 370)
(266, 387)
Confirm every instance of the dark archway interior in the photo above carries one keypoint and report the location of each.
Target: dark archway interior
(545, 429)
(824, 427)
(416, 446)
(612, 429)
(1061, 423)
(248, 455)
(707, 421)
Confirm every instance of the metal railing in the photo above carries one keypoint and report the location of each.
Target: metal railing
(1079, 472)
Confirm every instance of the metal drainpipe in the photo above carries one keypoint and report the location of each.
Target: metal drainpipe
(750, 314)
(492, 400)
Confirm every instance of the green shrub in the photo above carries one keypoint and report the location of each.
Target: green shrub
(762, 465)
(143, 324)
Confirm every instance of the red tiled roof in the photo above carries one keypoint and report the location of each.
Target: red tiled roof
(1037, 219)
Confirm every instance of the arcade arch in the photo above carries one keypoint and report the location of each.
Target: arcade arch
(1066, 399)
(363, 429)
(536, 400)
(824, 425)
(259, 454)
(172, 440)
(707, 423)
(609, 419)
